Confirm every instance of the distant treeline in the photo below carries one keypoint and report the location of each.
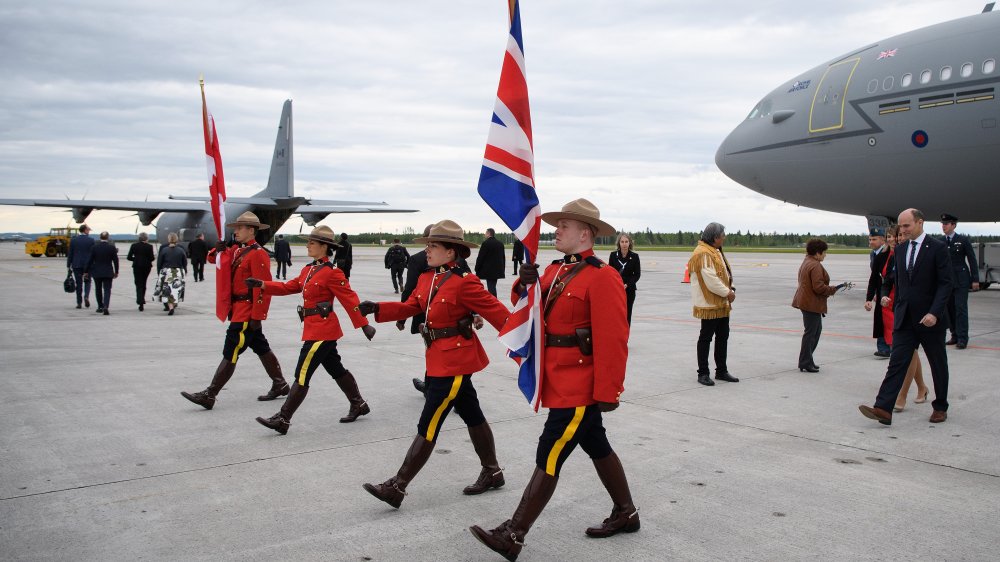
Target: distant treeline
(648, 238)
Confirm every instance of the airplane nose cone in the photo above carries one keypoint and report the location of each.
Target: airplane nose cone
(727, 163)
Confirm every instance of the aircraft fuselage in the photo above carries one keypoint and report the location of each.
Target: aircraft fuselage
(911, 121)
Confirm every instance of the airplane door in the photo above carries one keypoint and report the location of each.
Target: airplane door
(827, 111)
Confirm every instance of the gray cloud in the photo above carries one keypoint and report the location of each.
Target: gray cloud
(392, 101)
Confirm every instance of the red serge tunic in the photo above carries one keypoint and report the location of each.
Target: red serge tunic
(460, 295)
(253, 262)
(324, 284)
(594, 298)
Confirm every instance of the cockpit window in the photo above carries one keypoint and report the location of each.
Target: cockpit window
(762, 109)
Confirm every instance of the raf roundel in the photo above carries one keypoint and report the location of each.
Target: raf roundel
(919, 139)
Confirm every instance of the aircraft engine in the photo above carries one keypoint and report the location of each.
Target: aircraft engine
(80, 214)
(147, 217)
(312, 218)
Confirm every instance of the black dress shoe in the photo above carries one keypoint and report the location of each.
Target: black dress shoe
(961, 345)
(882, 354)
(952, 341)
(420, 385)
(99, 310)
(79, 306)
(140, 307)
(705, 380)
(106, 313)
(809, 369)
(86, 303)
(726, 377)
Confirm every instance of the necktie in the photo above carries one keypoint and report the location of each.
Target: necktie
(913, 254)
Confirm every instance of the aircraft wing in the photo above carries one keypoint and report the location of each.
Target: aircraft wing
(328, 209)
(153, 206)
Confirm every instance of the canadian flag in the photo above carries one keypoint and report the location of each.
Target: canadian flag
(217, 197)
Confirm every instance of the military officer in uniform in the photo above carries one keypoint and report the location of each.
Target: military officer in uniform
(963, 262)
(448, 295)
(584, 355)
(876, 262)
(247, 310)
(319, 282)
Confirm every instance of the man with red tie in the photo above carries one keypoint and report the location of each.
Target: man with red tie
(247, 310)
(584, 351)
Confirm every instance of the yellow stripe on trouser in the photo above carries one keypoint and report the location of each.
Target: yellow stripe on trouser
(305, 364)
(550, 463)
(436, 419)
(239, 346)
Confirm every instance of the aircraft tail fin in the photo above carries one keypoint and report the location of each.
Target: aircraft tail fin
(281, 182)
(988, 8)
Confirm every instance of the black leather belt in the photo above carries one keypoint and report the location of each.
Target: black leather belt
(438, 333)
(553, 340)
(239, 298)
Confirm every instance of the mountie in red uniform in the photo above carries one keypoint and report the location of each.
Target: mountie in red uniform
(456, 297)
(449, 296)
(584, 344)
(248, 261)
(320, 283)
(248, 308)
(592, 299)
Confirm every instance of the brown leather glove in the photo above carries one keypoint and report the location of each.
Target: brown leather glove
(369, 331)
(607, 406)
(528, 274)
(254, 325)
(400, 325)
(368, 307)
(220, 246)
(253, 283)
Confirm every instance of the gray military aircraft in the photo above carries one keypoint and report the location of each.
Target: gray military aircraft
(188, 216)
(909, 121)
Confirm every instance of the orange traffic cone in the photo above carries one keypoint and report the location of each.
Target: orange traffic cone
(687, 275)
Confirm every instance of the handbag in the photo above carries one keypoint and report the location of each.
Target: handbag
(69, 285)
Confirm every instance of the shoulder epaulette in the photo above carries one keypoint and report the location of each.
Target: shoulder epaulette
(595, 261)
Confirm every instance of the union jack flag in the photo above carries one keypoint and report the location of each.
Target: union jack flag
(507, 185)
(887, 54)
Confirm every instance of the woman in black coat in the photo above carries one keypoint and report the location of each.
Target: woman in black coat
(627, 263)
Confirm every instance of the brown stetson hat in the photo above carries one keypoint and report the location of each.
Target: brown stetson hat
(248, 219)
(583, 211)
(446, 231)
(324, 235)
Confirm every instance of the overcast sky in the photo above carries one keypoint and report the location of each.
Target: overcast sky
(392, 101)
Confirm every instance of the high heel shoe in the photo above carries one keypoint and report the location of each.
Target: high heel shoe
(921, 398)
(898, 407)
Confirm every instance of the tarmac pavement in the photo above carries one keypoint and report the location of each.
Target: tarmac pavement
(102, 459)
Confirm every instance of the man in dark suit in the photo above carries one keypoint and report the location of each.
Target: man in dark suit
(77, 260)
(344, 255)
(960, 252)
(923, 280)
(103, 267)
(490, 262)
(282, 255)
(517, 255)
(876, 261)
(141, 256)
(198, 253)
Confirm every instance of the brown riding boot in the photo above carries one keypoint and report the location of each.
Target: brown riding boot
(278, 385)
(280, 421)
(491, 476)
(359, 407)
(206, 398)
(393, 490)
(507, 539)
(624, 515)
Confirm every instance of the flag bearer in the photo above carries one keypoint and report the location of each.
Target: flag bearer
(585, 348)
(247, 311)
